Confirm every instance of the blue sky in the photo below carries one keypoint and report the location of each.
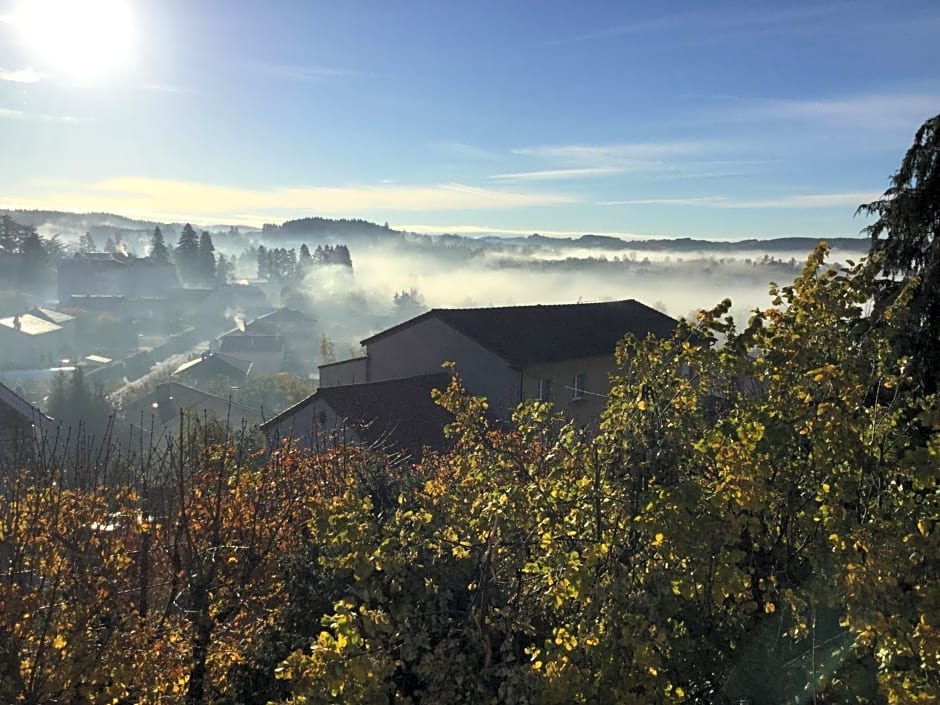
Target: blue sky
(686, 119)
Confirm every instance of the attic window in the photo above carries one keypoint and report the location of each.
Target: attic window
(578, 385)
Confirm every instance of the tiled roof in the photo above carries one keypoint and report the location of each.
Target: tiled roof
(525, 335)
(398, 414)
(29, 324)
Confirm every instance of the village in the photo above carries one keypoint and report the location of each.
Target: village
(157, 350)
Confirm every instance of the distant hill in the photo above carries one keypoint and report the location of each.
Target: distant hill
(356, 231)
(69, 224)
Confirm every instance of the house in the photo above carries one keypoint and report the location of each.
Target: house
(210, 368)
(66, 321)
(158, 413)
(397, 416)
(27, 341)
(283, 321)
(266, 353)
(558, 353)
(19, 423)
(299, 331)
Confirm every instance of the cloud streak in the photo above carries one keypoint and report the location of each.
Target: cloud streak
(304, 73)
(27, 75)
(816, 200)
(620, 154)
(874, 111)
(200, 202)
(558, 174)
(699, 26)
(12, 114)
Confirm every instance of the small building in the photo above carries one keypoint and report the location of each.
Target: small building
(66, 321)
(210, 368)
(266, 353)
(20, 421)
(394, 416)
(27, 341)
(157, 415)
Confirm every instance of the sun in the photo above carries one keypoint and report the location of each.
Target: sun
(80, 37)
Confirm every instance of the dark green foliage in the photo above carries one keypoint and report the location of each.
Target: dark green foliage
(905, 237)
(86, 243)
(158, 251)
(187, 255)
(81, 408)
(206, 262)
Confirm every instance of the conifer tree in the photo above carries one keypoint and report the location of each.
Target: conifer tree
(158, 251)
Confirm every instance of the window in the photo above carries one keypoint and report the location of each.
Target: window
(578, 385)
(545, 390)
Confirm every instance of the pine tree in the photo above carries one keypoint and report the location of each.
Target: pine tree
(110, 246)
(158, 251)
(264, 263)
(224, 270)
(187, 254)
(86, 243)
(905, 235)
(206, 263)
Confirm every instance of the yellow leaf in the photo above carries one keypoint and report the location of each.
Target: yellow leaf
(59, 642)
(658, 541)
(770, 607)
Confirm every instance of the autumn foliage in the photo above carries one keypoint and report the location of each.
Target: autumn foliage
(753, 520)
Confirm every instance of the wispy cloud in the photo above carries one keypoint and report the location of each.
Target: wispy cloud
(558, 174)
(148, 197)
(27, 75)
(168, 88)
(876, 111)
(715, 25)
(304, 73)
(659, 160)
(461, 150)
(815, 200)
(620, 154)
(12, 114)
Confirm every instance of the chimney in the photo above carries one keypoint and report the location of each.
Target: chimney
(17, 323)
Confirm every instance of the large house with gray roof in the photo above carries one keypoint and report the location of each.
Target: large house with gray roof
(559, 353)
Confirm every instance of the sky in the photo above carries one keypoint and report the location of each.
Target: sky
(719, 120)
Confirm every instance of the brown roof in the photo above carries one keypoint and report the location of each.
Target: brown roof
(397, 414)
(525, 335)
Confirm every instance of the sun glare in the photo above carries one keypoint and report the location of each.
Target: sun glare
(81, 37)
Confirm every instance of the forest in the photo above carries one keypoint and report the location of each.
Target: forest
(753, 521)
